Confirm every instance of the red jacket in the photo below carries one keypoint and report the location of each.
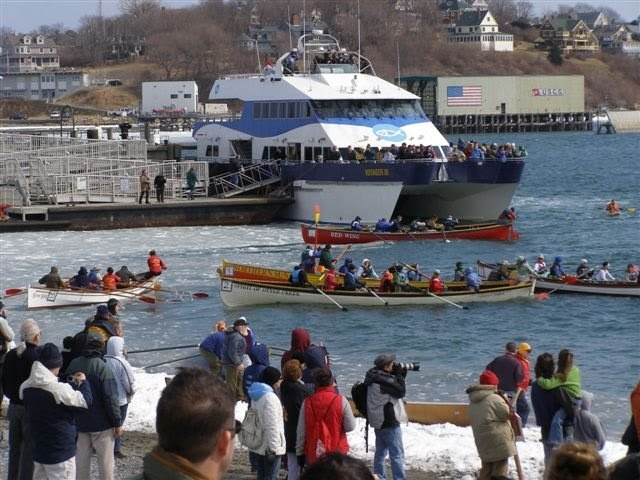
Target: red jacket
(526, 371)
(324, 404)
(330, 282)
(110, 281)
(156, 265)
(436, 285)
(635, 408)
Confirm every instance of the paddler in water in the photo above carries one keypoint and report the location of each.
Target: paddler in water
(612, 208)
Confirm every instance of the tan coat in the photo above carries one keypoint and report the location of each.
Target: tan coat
(145, 183)
(489, 418)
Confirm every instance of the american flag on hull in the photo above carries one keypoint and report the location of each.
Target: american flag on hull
(464, 96)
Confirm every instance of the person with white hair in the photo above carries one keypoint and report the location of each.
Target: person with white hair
(6, 341)
(17, 368)
(366, 270)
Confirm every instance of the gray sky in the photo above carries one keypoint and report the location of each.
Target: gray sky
(26, 15)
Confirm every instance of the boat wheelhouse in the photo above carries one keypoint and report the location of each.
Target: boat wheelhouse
(323, 115)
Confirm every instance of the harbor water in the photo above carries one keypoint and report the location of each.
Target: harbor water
(568, 179)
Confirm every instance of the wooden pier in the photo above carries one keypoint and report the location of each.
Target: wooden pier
(547, 122)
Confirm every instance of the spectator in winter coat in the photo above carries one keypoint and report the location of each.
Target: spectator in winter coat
(489, 417)
(50, 407)
(101, 424)
(52, 279)
(269, 408)
(6, 340)
(508, 370)
(17, 368)
(522, 406)
(385, 411)
(316, 358)
(195, 425)
(233, 350)
(588, 428)
(259, 355)
(325, 405)
(633, 442)
(300, 341)
(211, 347)
(292, 393)
(125, 382)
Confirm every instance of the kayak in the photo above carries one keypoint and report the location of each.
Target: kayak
(338, 235)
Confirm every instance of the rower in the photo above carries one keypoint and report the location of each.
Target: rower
(583, 270)
(325, 256)
(330, 282)
(500, 274)
(355, 225)
(298, 276)
(436, 285)
(472, 279)
(126, 277)
(81, 280)
(413, 273)
(345, 267)
(434, 225)
(524, 270)
(52, 279)
(458, 274)
(556, 268)
(366, 270)
(507, 216)
(350, 281)
(612, 208)
(603, 274)
(540, 267)
(394, 225)
(418, 225)
(110, 280)
(450, 222)
(156, 265)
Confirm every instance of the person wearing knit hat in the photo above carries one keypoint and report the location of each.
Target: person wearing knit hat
(99, 426)
(52, 279)
(265, 401)
(489, 418)
(556, 268)
(458, 274)
(51, 407)
(17, 367)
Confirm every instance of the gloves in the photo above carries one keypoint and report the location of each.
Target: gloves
(301, 460)
(270, 456)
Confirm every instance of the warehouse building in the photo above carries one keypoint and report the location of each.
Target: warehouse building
(516, 103)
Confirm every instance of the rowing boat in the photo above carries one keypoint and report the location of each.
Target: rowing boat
(344, 235)
(433, 413)
(241, 293)
(42, 297)
(571, 284)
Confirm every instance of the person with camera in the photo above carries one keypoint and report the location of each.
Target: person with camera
(385, 411)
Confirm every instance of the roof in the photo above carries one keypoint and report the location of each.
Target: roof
(472, 18)
(588, 17)
(19, 40)
(564, 24)
(453, 5)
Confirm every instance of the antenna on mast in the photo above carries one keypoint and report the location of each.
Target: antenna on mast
(359, 55)
(398, 55)
(289, 23)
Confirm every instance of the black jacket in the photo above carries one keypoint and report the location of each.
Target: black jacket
(508, 370)
(384, 389)
(16, 370)
(292, 395)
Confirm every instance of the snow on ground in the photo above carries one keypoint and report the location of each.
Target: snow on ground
(445, 449)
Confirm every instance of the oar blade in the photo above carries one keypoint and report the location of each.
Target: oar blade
(200, 295)
(541, 296)
(14, 291)
(147, 299)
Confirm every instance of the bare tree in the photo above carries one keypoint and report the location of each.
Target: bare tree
(140, 8)
(524, 10)
(505, 11)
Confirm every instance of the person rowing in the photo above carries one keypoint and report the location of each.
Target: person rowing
(612, 208)
(524, 270)
(603, 274)
(540, 267)
(583, 271)
(298, 277)
(355, 225)
(501, 273)
(52, 279)
(507, 216)
(366, 270)
(436, 285)
(556, 268)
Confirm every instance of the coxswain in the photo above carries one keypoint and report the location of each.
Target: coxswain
(556, 268)
(540, 267)
(507, 216)
(52, 279)
(110, 281)
(612, 208)
(330, 282)
(583, 270)
(298, 276)
(435, 284)
(156, 265)
(458, 274)
(355, 225)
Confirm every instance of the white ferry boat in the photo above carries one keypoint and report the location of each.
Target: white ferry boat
(318, 97)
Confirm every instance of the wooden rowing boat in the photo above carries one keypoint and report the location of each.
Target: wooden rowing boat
(571, 284)
(344, 235)
(42, 297)
(432, 413)
(241, 293)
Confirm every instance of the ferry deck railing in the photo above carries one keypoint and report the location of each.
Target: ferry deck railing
(249, 178)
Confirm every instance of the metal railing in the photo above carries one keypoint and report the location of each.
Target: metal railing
(249, 178)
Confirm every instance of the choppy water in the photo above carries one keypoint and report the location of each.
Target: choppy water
(567, 181)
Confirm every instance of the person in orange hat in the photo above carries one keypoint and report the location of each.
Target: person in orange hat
(522, 406)
(489, 414)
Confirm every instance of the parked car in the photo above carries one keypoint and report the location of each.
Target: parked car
(55, 114)
(19, 116)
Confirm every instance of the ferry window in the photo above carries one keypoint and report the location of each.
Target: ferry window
(292, 110)
(308, 154)
(306, 110)
(265, 153)
(282, 113)
(257, 110)
(273, 110)
(212, 151)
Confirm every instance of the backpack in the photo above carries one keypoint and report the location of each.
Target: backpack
(359, 397)
(252, 433)
(320, 434)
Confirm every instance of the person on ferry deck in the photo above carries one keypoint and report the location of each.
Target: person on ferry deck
(334, 155)
(350, 154)
(388, 157)
(156, 265)
(355, 225)
(52, 279)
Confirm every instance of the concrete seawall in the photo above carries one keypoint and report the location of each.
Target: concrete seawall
(235, 211)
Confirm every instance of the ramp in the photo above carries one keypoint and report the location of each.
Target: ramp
(625, 121)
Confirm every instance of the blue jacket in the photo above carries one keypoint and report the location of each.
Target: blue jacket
(51, 408)
(350, 282)
(80, 281)
(556, 270)
(104, 412)
(259, 355)
(233, 349)
(473, 281)
(214, 343)
(508, 370)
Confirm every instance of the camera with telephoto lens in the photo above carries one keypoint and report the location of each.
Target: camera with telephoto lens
(409, 366)
(71, 379)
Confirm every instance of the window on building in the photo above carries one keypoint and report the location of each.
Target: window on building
(35, 93)
(212, 151)
(173, 95)
(187, 95)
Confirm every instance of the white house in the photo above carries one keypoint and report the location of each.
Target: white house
(168, 98)
(479, 29)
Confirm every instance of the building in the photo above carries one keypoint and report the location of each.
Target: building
(123, 46)
(169, 98)
(42, 85)
(568, 34)
(593, 19)
(516, 103)
(452, 10)
(617, 39)
(479, 28)
(28, 53)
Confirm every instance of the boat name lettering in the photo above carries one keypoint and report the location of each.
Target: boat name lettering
(353, 236)
(262, 272)
(547, 92)
(376, 172)
(267, 290)
(51, 297)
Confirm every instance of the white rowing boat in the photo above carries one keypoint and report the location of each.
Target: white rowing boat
(241, 293)
(42, 297)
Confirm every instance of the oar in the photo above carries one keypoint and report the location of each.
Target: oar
(568, 279)
(181, 292)
(12, 292)
(162, 349)
(377, 296)
(344, 309)
(172, 361)
(419, 273)
(445, 300)
(347, 247)
(444, 235)
(630, 210)
(114, 293)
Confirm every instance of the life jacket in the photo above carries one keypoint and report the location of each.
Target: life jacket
(355, 225)
(294, 276)
(386, 281)
(330, 282)
(436, 285)
(110, 281)
(324, 424)
(155, 264)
